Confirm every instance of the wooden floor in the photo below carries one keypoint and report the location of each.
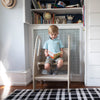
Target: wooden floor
(4, 91)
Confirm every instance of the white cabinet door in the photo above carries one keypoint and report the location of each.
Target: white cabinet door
(94, 5)
(94, 19)
(94, 46)
(94, 33)
(93, 60)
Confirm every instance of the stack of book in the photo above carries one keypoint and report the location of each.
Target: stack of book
(38, 19)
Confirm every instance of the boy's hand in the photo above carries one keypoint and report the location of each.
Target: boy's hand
(61, 55)
(46, 53)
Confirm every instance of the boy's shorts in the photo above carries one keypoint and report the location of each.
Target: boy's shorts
(50, 60)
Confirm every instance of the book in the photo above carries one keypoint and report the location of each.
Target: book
(38, 2)
(32, 17)
(35, 4)
(54, 55)
(53, 19)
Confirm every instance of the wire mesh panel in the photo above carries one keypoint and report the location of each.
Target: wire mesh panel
(63, 35)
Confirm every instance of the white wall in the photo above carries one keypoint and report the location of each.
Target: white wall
(12, 37)
(12, 41)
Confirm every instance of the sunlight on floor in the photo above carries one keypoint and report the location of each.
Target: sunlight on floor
(5, 80)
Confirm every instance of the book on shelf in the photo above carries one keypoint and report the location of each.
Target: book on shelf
(53, 19)
(37, 18)
(54, 55)
(47, 21)
(32, 17)
(38, 2)
(35, 4)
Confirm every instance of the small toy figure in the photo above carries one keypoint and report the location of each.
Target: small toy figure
(69, 18)
(60, 20)
(47, 15)
(79, 21)
(61, 4)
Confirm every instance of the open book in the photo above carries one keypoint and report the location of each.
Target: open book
(54, 55)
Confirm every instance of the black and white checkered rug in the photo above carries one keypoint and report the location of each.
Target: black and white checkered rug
(56, 94)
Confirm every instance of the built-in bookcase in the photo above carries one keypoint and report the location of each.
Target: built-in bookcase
(75, 9)
(75, 30)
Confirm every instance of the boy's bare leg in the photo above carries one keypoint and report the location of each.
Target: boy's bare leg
(60, 63)
(47, 67)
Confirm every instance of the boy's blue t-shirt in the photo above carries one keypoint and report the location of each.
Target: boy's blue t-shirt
(54, 45)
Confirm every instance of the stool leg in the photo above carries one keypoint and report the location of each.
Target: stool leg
(68, 86)
(34, 85)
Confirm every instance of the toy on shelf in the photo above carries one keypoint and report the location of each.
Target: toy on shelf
(69, 18)
(60, 20)
(79, 21)
(47, 15)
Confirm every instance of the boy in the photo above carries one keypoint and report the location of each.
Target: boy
(53, 45)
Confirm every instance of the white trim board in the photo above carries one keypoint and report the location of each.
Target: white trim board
(18, 78)
(76, 78)
(93, 82)
(61, 26)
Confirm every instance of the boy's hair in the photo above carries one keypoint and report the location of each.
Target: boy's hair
(53, 29)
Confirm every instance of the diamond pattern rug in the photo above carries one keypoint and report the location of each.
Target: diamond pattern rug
(56, 94)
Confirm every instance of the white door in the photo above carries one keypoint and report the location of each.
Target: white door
(92, 68)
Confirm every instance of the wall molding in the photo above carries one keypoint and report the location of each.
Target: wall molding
(61, 26)
(93, 82)
(20, 78)
(76, 78)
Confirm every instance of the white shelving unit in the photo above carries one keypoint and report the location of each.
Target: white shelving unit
(74, 10)
(70, 26)
(61, 26)
(30, 29)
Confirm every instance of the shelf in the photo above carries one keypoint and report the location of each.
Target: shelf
(77, 10)
(61, 26)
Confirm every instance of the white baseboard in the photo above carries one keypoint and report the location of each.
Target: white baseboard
(93, 82)
(76, 78)
(17, 78)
